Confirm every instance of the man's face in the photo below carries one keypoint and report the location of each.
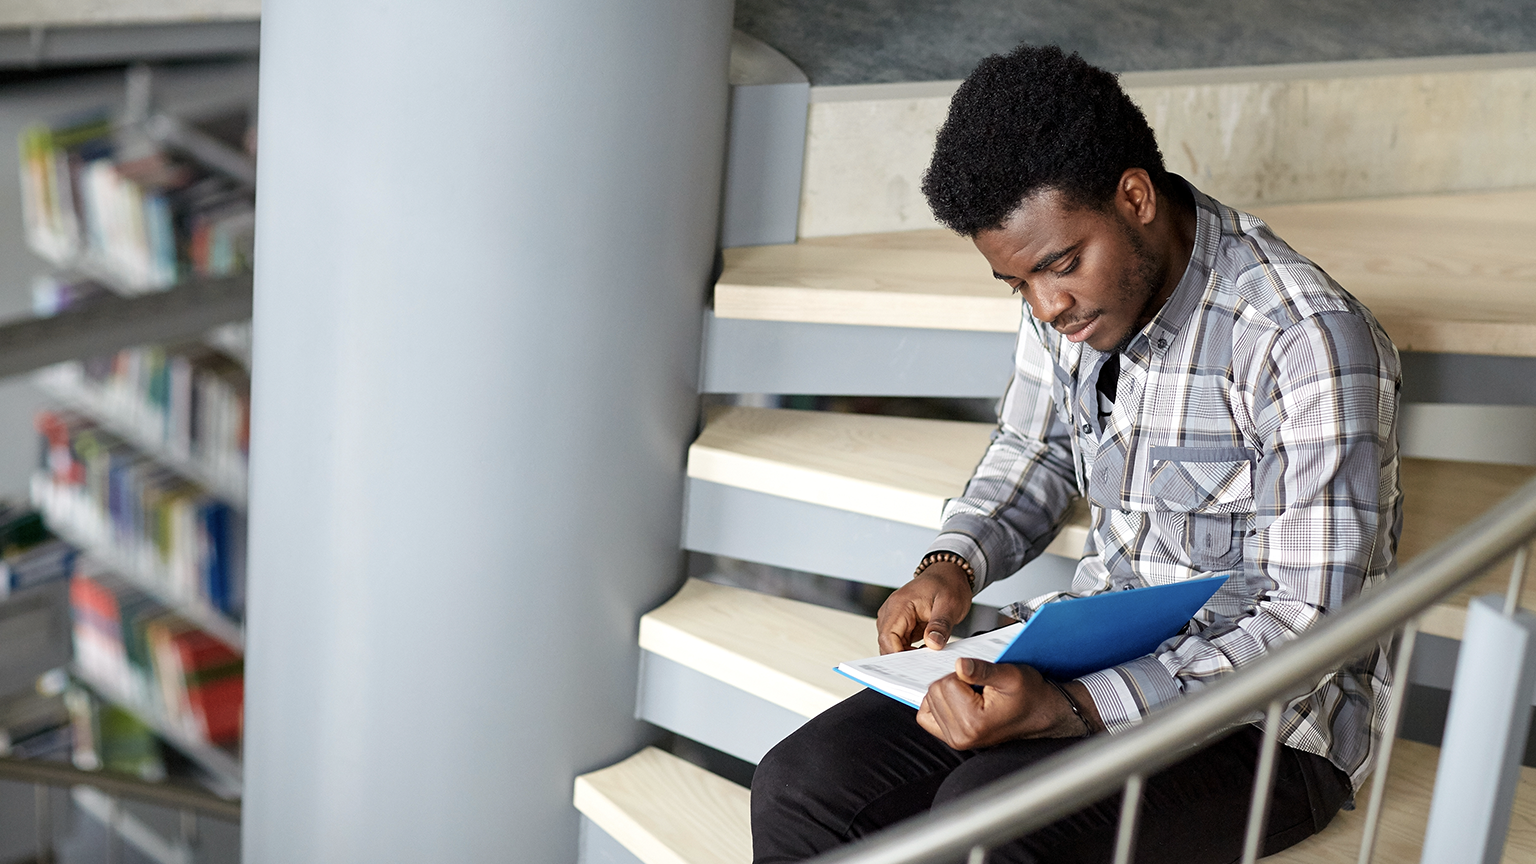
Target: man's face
(1085, 272)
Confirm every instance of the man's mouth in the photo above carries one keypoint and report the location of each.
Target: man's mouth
(1080, 330)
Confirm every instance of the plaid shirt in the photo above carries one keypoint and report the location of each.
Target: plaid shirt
(1253, 432)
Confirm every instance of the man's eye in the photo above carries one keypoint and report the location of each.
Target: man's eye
(1069, 268)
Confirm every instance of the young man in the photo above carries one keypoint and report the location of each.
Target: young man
(1224, 406)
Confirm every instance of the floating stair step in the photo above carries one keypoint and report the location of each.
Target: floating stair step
(925, 279)
(739, 671)
(812, 488)
(664, 810)
(782, 651)
(1399, 255)
(855, 496)
(1395, 254)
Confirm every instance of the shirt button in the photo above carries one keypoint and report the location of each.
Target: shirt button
(1087, 430)
(1161, 343)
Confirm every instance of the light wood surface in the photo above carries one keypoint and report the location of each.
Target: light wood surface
(903, 469)
(1439, 498)
(1443, 273)
(896, 468)
(1405, 814)
(779, 650)
(668, 811)
(937, 285)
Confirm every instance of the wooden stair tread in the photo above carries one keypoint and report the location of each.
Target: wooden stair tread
(1396, 254)
(668, 811)
(1401, 255)
(903, 469)
(779, 650)
(1404, 817)
(896, 468)
(929, 283)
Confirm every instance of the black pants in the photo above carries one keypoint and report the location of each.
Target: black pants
(865, 764)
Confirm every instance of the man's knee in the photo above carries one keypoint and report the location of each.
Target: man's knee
(993, 764)
(799, 761)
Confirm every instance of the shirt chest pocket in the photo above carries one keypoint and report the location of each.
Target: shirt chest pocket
(1209, 489)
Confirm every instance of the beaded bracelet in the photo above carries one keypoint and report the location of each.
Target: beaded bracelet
(952, 558)
(1072, 703)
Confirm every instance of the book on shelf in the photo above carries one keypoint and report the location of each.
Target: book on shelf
(189, 404)
(144, 655)
(106, 737)
(140, 517)
(99, 195)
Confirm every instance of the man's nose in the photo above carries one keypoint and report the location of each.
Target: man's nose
(1047, 305)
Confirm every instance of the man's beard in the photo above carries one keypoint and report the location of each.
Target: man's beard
(1139, 281)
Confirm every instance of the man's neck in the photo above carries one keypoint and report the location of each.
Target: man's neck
(1177, 241)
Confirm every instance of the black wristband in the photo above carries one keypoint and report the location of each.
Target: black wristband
(1072, 703)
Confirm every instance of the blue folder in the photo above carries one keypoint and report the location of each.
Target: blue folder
(1079, 635)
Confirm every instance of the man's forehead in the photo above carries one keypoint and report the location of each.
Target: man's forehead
(1043, 222)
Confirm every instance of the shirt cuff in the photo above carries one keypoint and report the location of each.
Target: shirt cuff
(1127, 693)
(983, 544)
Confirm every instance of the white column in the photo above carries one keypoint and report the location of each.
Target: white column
(485, 231)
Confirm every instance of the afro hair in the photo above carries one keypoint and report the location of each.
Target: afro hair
(1031, 120)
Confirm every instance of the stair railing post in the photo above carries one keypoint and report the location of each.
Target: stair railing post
(1485, 730)
(1263, 783)
(1388, 736)
(42, 822)
(1130, 810)
(1516, 582)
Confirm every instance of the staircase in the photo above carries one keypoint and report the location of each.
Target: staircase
(858, 497)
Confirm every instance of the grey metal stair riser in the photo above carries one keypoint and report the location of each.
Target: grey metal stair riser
(596, 846)
(747, 356)
(708, 710)
(1468, 379)
(768, 529)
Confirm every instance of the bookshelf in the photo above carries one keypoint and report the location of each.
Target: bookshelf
(144, 464)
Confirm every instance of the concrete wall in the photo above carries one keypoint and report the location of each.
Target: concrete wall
(1248, 136)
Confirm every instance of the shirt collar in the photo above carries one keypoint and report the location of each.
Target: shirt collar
(1164, 327)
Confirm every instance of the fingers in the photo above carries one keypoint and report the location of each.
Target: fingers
(944, 611)
(936, 634)
(957, 714)
(926, 608)
(896, 625)
(980, 672)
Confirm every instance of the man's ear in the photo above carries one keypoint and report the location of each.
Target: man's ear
(1136, 197)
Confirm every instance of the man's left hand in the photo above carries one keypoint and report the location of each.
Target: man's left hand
(1014, 702)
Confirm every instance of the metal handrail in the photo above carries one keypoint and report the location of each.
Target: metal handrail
(1069, 781)
(177, 796)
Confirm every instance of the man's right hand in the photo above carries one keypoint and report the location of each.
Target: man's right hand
(927, 609)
